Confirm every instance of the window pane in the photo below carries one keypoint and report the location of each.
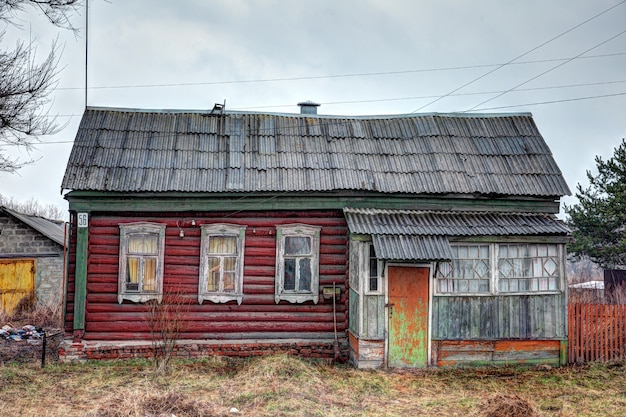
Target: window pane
(305, 275)
(223, 245)
(213, 278)
(297, 245)
(289, 282)
(149, 274)
(373, 267)
(143, 244)
(230, 264)
(373, 284)
(132, 278)
(229, 282)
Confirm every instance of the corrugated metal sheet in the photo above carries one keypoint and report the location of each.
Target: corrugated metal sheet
(51, 229)
(160, 151)
(403, 247)
(423, 235)
(442, 223)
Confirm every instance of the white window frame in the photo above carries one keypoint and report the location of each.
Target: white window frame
(220, 230)
(297, 230)
(140, 296)
(494, 282)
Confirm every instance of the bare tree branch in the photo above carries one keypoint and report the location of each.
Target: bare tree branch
(26, 84)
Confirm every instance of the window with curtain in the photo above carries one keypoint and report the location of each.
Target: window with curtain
(221, 265)
(141, 261)
(297, 263)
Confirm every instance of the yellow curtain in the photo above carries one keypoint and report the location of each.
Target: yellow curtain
(222, 244)
(143, 244)
(213, 278)
(133, 270)
(149, 274)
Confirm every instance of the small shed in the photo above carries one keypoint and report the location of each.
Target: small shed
(397, 240)
(31, 260)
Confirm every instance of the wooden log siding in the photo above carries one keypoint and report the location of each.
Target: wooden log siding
(257, 317)
(522, 317)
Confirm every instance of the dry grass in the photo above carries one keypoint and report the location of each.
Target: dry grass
(287, 386)
(47, 316)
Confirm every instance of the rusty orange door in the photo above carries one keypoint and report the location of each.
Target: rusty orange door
(408, 316)
(17, 281)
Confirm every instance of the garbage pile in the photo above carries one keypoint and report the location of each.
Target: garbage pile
(28, 332)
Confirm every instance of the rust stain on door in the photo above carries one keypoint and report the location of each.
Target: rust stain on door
(17, 281)
(408, 317)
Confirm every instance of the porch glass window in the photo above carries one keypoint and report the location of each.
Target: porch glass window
(375, 268)
(297, 254)
(221, 269)
(141, 261)
(469, 271)
(528, 267)
(501, 268)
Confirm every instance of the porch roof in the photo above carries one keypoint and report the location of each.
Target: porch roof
(424, 235)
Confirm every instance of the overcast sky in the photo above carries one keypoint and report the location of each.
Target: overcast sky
(562, 60)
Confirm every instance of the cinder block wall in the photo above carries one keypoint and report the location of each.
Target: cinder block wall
(18, 239)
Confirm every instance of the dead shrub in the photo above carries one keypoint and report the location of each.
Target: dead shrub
(45, 315)
(151, 403)
(504, 405)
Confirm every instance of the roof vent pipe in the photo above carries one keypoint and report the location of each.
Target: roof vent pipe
(308, 107)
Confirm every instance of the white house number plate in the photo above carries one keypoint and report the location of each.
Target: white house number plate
(83, 219)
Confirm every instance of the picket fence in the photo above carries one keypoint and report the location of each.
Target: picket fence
(597, 332)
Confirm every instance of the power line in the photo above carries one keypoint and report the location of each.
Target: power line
(379, 100)
(435, 96)
(547, 71)
(520, 56)
(354, 75)
(551, 102)
(168, 134)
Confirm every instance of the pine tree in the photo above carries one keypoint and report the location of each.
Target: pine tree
(599, 219)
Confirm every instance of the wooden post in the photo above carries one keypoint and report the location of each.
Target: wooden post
(80, 278)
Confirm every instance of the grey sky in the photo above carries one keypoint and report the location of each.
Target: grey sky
(192, 54)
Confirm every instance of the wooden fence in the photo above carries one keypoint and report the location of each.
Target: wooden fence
(597, 332)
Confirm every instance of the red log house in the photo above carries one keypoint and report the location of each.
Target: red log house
(389, 241)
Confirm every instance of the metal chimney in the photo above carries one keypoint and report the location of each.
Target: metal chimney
(308, 107)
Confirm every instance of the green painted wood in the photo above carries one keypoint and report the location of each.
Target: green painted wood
(499, 317)
(80, 293)
(141, 202)
(373, 316)
(354, 313)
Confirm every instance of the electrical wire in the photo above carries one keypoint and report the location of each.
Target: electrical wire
(522, 55)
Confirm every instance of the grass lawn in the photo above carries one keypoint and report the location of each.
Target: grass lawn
(288, 386)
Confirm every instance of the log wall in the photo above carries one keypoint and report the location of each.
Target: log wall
(258, 317)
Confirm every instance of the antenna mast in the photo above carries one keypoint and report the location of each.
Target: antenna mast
(86, 46)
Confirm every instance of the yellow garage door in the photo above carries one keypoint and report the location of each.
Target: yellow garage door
(17, 281)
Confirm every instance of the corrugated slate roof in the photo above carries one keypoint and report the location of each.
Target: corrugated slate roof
(444, 223)
(423, 235)
(51, 229)
(407, 247)
(189, 151)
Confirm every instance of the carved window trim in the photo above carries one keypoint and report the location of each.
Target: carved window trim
(298, 231)
(139, 295)
(221, 230)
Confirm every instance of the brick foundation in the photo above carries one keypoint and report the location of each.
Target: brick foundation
(100, 350)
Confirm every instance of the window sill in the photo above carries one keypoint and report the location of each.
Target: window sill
(220, 298)
(297, 298)
(139, 298)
